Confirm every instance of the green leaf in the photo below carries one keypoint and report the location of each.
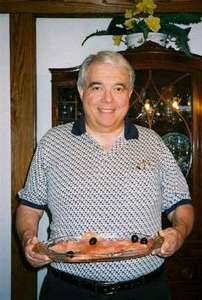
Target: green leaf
(116, 26)
(180, 35)
(142, 27)
(98, 32)
(180, 18)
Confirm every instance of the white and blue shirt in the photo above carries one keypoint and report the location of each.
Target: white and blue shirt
(119, 192)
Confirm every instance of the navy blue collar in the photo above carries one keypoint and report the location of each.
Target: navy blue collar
(130, 130)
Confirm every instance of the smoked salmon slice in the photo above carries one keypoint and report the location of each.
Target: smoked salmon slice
(91, 247)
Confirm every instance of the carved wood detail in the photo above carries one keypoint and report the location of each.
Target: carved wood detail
(92, 7)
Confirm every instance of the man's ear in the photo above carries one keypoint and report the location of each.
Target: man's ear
(130, 93)
(80, 93)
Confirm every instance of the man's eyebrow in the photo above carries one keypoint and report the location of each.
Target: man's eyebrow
(94, 83)
(120, 83)
(100, 83)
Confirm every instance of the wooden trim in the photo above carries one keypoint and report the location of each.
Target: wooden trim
(150, 55)
(197, 147)
(22, 36)
(91, 7)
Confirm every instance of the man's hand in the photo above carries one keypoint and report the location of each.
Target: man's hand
(173, 240)
(182, 219)
(27, 221)
(35, 259)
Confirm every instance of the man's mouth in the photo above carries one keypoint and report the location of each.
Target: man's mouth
(106, 110)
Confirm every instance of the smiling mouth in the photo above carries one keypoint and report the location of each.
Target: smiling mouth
(106, 110)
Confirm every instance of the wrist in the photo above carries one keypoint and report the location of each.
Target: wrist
(181, 231)
(26, 238)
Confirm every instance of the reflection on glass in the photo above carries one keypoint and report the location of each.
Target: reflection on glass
(180, 146)
(66, 111)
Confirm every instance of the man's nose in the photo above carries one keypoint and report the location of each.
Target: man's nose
(108, 97)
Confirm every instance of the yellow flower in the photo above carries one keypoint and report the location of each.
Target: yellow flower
(129, 23)
(146, 6)
(153, 23)
(128, 14)
(117, 39)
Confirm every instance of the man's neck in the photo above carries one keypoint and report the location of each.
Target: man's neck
(105, 139)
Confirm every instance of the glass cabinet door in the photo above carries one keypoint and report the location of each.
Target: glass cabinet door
(69, 105)
(162, 101)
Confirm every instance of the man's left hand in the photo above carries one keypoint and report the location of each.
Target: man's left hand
(173, 240)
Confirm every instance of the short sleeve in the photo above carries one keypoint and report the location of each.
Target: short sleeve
(34, 193)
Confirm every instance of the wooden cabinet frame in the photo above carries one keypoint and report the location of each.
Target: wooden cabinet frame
(23, 97)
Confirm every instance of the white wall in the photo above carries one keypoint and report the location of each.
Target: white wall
(5, 168)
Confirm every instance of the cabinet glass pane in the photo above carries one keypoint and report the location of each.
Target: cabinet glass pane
(162, 101)
(69, 105)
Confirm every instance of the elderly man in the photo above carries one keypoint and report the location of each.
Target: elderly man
(106, 175)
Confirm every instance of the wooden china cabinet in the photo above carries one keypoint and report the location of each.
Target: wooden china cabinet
(167, 98)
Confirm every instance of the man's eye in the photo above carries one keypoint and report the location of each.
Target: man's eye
(119, 89)
(95, 88)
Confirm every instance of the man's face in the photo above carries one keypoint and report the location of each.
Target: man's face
(105, 96)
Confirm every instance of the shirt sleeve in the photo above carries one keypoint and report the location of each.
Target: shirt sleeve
(34, 193)
(174, 187)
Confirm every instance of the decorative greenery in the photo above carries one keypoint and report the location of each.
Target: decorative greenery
(140, 19)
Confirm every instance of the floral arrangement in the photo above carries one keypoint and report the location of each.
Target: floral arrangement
(141, 19)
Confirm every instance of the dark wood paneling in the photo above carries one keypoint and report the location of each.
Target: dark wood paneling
(22, 33)
(93, 7)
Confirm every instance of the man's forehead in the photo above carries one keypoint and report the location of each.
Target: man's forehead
(106, 65)
(99, 71)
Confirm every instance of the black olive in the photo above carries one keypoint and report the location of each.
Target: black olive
(93, 241)
(70, 254)
(143, 241)
(134, 238)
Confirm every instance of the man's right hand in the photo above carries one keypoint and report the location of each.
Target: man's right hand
(35, 259)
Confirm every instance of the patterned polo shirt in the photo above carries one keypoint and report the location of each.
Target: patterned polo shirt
(114, 193)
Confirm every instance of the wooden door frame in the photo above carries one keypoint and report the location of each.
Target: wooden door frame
(23, 16)
(23, 116)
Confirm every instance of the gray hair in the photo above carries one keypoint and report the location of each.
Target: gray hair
(110, 57)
